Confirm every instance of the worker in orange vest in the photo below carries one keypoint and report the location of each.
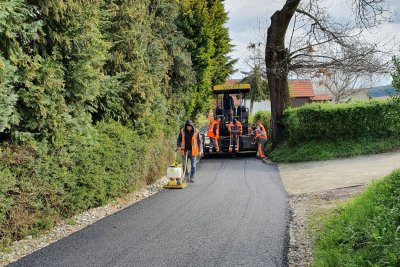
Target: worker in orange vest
(262, 138)
(189, 143)
(235, 129)
(261, 127)
(213, 134)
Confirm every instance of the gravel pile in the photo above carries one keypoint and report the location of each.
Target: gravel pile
(64, 228)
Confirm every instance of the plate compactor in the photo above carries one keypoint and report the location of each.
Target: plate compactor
(176, 175)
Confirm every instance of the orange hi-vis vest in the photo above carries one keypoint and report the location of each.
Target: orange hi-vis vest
(210, 132)
(195, 146)
(238, 123)
(262, 128)
(261, 135)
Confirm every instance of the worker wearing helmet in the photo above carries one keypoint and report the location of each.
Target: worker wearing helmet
(236, 123)
(235, 129)
(189, 144)
(213, 134)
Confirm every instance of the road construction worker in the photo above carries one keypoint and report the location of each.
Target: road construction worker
(213, 134)
(189, 143)
(228, 105)
(261, 127)
(262, 141)
(235, 129)
(236, 123)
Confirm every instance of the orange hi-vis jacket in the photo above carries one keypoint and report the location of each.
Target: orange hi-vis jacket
(195, 146)
(238, 123)
(260, 134)
(210, 132)
(262, 128)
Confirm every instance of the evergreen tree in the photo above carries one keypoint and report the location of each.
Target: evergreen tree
(8, 98)
(75, 41)
(132, 62)
(202, 21)
(35, 81)
(179, 78)
(221, 62)
(259, 86)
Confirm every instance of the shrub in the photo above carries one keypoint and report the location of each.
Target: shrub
(40, 183)
(366, 231)
(341, 121)
(331, 149)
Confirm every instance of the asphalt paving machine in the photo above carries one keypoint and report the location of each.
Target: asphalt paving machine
(227, 139)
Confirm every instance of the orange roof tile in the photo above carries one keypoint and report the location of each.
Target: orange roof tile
(301, 88)
(232, 81)
(322, 97)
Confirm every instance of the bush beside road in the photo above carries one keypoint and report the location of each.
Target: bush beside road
(328, 131)
(364, 232)
(317, 189)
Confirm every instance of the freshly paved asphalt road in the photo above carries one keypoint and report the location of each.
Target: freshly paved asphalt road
(236, 214)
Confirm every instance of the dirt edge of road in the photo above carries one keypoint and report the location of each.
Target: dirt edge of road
(317, 187)
(310, 205)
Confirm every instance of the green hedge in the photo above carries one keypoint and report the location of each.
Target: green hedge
(332, 149)
(342, 121)
(40, 184)
(366, 232)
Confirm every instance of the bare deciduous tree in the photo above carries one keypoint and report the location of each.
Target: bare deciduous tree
(323, 42)
(341, 84)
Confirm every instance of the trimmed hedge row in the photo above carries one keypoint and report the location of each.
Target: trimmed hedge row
(39, 184)
(326, 121)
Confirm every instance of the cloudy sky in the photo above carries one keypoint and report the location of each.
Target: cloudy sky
(245, 16)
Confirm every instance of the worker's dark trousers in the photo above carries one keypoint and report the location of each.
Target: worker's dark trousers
(228, 114)
(192, 163)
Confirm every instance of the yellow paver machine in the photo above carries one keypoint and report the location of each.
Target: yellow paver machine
(230, 105)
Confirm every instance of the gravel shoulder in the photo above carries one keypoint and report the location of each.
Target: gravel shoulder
(322, 185)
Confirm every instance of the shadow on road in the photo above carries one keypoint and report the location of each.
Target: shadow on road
(229, 156)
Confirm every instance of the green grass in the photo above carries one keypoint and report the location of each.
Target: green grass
(71, 222)
(364, 232)
(324, 150)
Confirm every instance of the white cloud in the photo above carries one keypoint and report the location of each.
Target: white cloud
(246, 15)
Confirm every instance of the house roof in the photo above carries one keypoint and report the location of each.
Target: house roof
(232, 81)
(321, 97)
(297, 88)
(301, 88)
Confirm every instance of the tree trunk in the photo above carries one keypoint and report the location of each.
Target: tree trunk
(251, 106)
(276, 59)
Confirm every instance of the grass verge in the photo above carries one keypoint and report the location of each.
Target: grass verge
(364, 232)
(325, 150)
